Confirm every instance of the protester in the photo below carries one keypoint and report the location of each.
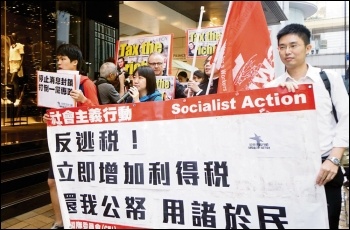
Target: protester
(199, 76)
(201, 89)
(120, 88)
(207, 70)
(107, 94)
(156, 62)
(69, 57)
(294, 45)
(198, 85)
(182, 76)
(144, 86)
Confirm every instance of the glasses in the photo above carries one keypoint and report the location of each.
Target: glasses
(155, 63)
(290, 47)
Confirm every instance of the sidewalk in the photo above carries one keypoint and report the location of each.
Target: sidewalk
(42, 218)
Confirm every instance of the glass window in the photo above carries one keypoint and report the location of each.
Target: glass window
(36, 29)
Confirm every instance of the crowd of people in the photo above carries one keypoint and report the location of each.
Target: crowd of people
(293, 45)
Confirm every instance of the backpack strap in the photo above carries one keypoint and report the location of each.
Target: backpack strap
(81, 87)
(327, 84)
(81, 84)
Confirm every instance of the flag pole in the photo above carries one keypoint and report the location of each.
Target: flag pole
(199, 28)
(213, 63)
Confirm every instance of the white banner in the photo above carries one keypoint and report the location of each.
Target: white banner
(231, 160)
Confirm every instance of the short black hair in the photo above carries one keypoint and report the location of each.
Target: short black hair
(202, 75)
(300, 30)
(199, 73)
(182, 74)
(73, 52)
(148, 73)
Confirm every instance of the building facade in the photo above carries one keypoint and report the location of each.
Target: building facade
(42, 26)
(330, 35)
(329, 26)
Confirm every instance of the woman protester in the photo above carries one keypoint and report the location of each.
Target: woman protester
(144, 86)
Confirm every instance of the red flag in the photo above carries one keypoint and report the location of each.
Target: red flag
(244, 55)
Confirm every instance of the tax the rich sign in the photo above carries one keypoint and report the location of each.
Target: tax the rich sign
(231, 160)
(136, 51)
(206, 39)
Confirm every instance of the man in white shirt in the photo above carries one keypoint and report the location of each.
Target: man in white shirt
(294, 45)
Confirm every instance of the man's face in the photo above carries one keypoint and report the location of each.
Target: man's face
(63, 62)
(156, 62)
(292, 50)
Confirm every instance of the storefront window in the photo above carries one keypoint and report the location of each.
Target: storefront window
(27, 44)
(31, 31)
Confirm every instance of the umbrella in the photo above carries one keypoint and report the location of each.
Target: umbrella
(183, 65)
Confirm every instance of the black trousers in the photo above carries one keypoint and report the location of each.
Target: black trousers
(334, 199)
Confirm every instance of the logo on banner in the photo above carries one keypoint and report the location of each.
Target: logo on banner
(259, 143)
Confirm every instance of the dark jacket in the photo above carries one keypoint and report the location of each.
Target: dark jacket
(179, 90)
(213, 89)
(106, 92)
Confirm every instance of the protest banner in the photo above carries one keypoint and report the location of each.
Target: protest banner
(166, 86)
(249, 160)
(208, 38)
(54, 88)
(244, 56)
(135, 51)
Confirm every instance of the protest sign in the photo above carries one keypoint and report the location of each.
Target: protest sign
(135, 51)
(248, 160)
(208, 38)
(54, 88)
(74, 72)
(166, 86)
